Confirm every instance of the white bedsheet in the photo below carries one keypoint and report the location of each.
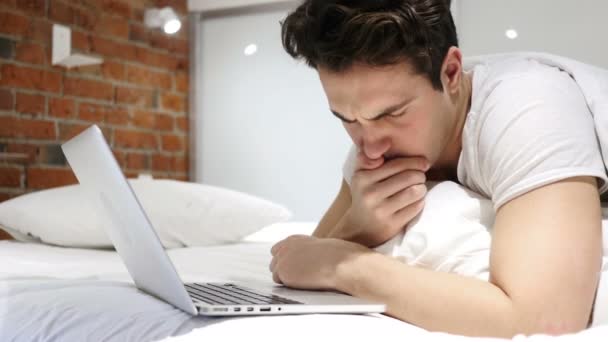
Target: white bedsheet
(51, 293)
(57, 294)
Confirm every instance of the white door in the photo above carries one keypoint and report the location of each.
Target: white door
(264, 126)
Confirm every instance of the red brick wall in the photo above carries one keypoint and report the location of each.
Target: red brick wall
(138, 96)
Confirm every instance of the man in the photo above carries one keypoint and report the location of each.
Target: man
(516, 131)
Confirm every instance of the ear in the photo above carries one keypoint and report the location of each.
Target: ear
(451, 70)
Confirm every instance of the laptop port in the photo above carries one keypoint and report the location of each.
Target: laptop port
(249, 309)
(264, 309)
(237, 309)
(220, 309)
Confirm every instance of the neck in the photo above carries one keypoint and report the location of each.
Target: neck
(448, 162)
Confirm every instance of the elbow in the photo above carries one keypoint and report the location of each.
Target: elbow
(553, 315)
(549, 323)
(557, 327)
(533, 318)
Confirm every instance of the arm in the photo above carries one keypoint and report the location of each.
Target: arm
(335, 213)
(545, 258)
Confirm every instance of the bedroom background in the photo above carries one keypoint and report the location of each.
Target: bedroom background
(138, 95)
(278, 141)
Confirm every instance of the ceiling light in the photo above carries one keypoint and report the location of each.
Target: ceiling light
(250, 49)
(162, 17)
(511, 34)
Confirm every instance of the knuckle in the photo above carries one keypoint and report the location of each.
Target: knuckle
(418, 190)
(417, 177)
(367, 203)
(375, 217)
(420, 176)
(411, 192)
(381, 214)
(396, 228)
(391, 230)
(368, 197)
(421, 163)
(391, 225)
(408, 215)
(420, 204)
(415, 209)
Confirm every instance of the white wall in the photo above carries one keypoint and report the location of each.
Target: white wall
(265, 127)
(572, 28)
(212, 5)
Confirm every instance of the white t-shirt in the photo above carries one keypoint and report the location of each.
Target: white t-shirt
(529, 125)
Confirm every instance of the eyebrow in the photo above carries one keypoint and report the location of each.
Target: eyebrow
(385, 112)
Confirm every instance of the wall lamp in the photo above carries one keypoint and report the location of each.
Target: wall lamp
(162, 17)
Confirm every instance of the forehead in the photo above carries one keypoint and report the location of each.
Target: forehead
(368, 84)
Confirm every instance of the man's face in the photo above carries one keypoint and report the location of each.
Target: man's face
(389, 111)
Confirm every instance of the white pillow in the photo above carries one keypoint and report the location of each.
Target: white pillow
(450, 234)
(453, 233)
(183, 214)
(282, 230)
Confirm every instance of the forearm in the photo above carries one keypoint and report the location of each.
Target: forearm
(322, 231)
(334, 231)
(435, 301)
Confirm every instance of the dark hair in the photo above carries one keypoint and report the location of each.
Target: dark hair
(335, 34)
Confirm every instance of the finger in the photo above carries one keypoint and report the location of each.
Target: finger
(399, 182)
(276, 278)
(396, 166)
(275, 249)
(365, 163)
(407, 214)
(406, 197)
(272, 265)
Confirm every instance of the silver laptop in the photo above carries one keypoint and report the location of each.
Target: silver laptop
(138, 245)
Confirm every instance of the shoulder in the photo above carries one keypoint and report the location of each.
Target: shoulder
(531, 126)
(515, 81)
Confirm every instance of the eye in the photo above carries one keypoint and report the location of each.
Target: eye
(398, 114)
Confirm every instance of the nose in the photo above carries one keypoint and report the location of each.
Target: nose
(374, 145)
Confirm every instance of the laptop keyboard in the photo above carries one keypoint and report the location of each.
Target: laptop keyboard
(230, 294)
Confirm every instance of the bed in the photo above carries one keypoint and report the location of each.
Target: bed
(83, 292)
(50, 293)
